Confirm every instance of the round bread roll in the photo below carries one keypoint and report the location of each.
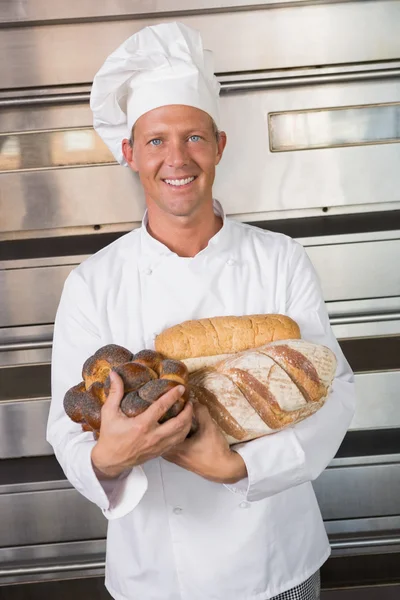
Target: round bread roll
(146, 376)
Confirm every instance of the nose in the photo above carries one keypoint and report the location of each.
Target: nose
(177, 154)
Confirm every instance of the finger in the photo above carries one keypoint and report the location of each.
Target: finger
(115, 394)
(179, 425)
(160, 406)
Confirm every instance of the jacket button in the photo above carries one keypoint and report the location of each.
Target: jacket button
(230, 262)
(244, 504)
(177, 510)
(148, 271)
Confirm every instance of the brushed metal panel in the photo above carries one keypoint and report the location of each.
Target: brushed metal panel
(49, 516)
(345, 270)
(341, 269)
(250, 179)
(356, 492)
(23, 428)
(14, 555)
(69, 197)
(367, 329)
(378, 400)
(252, 40)
(41, 10)
(17, 307)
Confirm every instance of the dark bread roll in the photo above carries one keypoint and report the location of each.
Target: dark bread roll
(97, 367)
(146, 376)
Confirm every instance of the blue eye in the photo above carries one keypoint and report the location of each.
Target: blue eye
(195, 138)
(155, 142)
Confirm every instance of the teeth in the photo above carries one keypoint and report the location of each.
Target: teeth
(179, 181)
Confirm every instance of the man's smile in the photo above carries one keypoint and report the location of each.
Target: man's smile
(183, 182)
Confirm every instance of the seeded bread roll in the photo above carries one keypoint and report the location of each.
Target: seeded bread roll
(223, 335)
(146, 376)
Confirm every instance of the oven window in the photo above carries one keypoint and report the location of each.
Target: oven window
(38, 150)
(334, 127)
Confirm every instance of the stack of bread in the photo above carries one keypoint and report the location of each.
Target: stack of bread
(254, 374)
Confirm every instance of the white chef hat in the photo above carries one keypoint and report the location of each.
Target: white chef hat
(160, 65)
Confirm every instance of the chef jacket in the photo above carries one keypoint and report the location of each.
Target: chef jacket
(173, 535)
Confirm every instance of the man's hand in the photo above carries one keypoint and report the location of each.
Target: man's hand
(125, 442)
(207, 452)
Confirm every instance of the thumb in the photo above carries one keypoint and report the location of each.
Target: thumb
(201, 414)
(115, 394)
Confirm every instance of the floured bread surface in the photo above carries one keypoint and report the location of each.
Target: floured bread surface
(266, 372)
(222, 335)
(321, 360)
(264, 390)
(202, 362)
(226, 394)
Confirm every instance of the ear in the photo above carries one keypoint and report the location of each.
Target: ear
(220, 146)
(129, 155)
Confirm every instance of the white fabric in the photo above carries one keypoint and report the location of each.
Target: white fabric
(157, 66)
(172, 534)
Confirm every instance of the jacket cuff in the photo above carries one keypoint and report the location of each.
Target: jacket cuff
(116, 497)
(128, 490)
(274, 463)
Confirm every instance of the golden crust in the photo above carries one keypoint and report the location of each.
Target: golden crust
(222, 335)
(146, 376)
(97, 367)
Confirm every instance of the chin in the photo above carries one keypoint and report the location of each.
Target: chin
(182, 209)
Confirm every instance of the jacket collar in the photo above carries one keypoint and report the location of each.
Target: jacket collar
(220, 241)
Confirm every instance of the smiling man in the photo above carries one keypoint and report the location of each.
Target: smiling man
(189, 519)
(175, 150)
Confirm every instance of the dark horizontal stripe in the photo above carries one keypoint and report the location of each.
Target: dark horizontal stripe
(374, 442)
(56, 246)
(364, 569)
(30, 469)
(297, 228)
(91, 588)
(372, 354)
(26, 381)
(334, 224)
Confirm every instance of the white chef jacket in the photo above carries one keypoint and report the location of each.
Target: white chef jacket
(173, 535)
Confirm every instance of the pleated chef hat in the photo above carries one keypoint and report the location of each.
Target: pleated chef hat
(160, 65)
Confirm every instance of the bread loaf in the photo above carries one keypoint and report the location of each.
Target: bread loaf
(264, 390)
(223, 335)
(146, 376)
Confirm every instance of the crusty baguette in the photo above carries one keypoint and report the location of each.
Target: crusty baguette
(224, 335)
(261, 391)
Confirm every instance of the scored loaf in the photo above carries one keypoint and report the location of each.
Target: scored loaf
(217, 336)
(262, 391)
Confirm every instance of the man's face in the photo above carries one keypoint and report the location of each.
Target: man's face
(175, 151)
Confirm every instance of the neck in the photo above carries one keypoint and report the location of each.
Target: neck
(186, 236)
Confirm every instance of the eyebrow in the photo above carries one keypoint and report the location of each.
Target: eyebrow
(159, 133)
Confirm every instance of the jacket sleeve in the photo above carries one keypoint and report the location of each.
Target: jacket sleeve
(76, 337)
(300, 453)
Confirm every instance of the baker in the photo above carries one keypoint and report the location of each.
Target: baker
(189, 519)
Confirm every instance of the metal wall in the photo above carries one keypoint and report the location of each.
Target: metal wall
(311, 105)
